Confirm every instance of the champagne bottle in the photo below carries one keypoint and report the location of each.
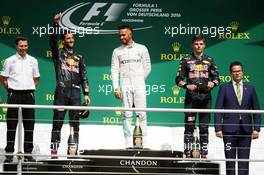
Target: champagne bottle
(137, 135)
(72, 145)
(195, 145)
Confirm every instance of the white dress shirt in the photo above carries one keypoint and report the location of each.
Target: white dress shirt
(20, 72)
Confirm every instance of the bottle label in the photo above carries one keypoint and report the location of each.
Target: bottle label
(72, 151)
(138, 142)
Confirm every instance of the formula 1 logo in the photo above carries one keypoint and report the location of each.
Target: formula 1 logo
(98, 19)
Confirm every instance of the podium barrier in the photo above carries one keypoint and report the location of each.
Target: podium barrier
(130, 161)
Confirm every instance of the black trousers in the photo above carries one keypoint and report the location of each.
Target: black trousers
(20, 97)
(70, 97)
(190, 120)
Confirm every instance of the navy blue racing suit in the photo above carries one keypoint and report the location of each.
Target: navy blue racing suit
(70, 72)
(197, 71)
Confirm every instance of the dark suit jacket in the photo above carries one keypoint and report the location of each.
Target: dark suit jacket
(226, 99)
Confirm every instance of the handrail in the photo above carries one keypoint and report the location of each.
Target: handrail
(106, 108)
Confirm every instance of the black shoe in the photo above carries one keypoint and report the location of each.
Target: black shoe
(29, 159)
(188, 155)
(205, 157)
(8, 159)
(54, 157)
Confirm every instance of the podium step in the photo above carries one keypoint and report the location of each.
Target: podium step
(119, 162)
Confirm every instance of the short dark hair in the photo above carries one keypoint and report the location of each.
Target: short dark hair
(20, 38)
(198, 38)
(126, 27)
(235, 63)
(64, 33)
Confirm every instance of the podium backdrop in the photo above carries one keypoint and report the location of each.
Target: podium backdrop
(233, 31)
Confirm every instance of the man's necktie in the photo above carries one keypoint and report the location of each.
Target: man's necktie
(238, 93)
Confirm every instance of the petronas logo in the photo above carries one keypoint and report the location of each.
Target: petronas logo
(234, 26)
(6, 20)
(176, 46)
(176, 90)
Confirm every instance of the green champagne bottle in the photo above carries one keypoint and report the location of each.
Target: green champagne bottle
(72, 145)
(137, 135)
(195, 145)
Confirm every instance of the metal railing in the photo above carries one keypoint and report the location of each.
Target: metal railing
(20, 153)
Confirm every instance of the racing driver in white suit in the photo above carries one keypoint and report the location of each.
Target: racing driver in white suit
(129, 68)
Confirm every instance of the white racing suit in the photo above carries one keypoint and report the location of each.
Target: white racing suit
(130, 67)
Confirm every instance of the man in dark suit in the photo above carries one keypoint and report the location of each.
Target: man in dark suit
(237, 129)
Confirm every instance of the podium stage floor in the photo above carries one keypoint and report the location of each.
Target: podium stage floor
(130, 161)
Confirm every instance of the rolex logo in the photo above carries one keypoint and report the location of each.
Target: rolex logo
(118, 113)
(176, 46)
(234, 26)
(4, 110)
(6, 20)
(175, 90)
